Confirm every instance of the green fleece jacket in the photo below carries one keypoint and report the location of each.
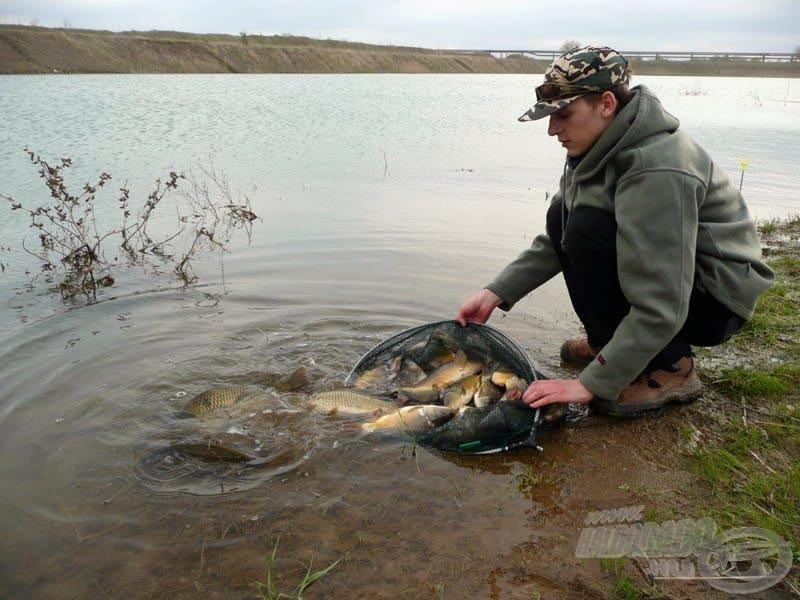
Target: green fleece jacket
(677, 215)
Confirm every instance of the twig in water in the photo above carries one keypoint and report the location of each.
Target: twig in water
(71, 520)
(202, 558)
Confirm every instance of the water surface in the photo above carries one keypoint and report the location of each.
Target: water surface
(385, 201)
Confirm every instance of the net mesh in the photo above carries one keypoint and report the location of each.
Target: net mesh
(495, 428)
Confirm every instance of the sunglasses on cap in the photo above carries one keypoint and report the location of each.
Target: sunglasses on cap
(557, 91)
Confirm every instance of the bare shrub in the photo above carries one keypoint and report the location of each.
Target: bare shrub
(213, 216)
(71, 242)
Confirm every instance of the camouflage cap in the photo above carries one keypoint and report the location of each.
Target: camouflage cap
(576, 73)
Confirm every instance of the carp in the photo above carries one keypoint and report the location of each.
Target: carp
(374, 379)
(461, 393)
(216, 398)
(421, 417)
(487, 393)
(406, 372)
(429, 389)
(347, 401)
(211, 451)
(515, 387)
(448, 374)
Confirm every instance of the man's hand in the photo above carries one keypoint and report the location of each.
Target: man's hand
(479, 308)
(549, 391)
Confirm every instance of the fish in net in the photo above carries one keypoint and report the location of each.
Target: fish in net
(442, 362)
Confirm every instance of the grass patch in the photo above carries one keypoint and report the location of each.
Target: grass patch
(268, 591)
(528, 479)
(751, 383)
(768, 227)
(625, 589)
(750, 456)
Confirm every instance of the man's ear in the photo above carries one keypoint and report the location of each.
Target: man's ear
(608, 104)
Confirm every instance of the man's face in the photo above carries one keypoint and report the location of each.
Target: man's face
(579, 125)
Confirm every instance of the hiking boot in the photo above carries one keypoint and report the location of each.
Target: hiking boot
(578, 350)
(650, 391)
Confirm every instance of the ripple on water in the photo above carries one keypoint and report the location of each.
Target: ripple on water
(232, 451)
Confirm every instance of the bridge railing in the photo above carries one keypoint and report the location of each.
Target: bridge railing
(653, 55)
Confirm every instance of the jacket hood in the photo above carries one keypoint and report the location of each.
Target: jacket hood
(642, 117)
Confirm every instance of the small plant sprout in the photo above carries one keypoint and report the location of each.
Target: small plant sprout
(743, 162)
(267, 590)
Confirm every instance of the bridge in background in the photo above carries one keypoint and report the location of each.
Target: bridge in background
(654, 55)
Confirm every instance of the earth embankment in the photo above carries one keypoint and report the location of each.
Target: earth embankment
(41, 50)
(27, 49)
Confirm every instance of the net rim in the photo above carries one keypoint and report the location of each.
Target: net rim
(532, 374)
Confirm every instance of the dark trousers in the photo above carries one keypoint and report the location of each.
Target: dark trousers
(589, 264)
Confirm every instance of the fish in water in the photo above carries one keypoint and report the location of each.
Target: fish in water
(217, 398)
(295, 382)
(421, 417)
(211, 451)
(347, 401)
(461, 393)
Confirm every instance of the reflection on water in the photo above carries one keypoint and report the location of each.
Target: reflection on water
(386, 201)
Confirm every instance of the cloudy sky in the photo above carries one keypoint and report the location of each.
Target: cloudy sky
(702, 25)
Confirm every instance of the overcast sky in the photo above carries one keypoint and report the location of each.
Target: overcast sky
(715, 25)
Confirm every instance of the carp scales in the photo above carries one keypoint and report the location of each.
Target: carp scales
(374, 379)
(421, 417)
(452, 372)
(462, 393)
(515, 386)
(429, 389)
(222, 397)
(421, 393)
(406, 372)
(487, 393)
(400, 371)
(348, 401)
(216, 398)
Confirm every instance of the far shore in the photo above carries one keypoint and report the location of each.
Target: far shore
(41, 50)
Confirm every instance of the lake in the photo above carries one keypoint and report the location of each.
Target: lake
(384, 202)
